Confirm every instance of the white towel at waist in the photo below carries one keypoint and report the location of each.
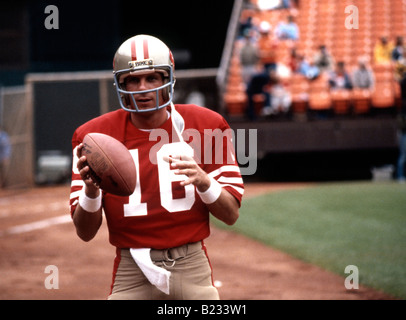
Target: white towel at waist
(159, 277)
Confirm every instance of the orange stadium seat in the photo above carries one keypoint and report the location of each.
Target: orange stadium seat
(398, 95)
(383, 72)
(259, 102)
(319, 101)
(235, 103)
(235, 87)
(299, 102)
(361, 99)
(383, 96)
(319, 84)
(299, 88)
(341, 100)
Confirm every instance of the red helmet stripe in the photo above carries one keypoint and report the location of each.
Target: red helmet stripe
(133, 51)
(145, 45)
(171, 58)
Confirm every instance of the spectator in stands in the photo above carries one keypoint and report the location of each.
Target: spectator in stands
(383, 51)
(402, 127)
(246, 25)
(363, 76)
(281, 98)
(259, 84)
(268, 4)
(286, 4)
(267, 46)
(287, 30)
(294, 60)
(5, 153)
(309, 69)
(323, 59)
(249, 57)
(400, 70)
(402, 148)
(340, 78)
(399, 51)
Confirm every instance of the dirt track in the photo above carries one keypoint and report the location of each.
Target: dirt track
(243, 269)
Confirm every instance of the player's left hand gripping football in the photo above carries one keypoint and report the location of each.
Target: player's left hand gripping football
(92, 189)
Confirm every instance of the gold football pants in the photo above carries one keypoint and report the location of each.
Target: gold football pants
(191, 275)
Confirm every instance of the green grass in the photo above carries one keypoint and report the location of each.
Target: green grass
(334, 225)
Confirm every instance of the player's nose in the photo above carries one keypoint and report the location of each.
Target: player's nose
(142, 85)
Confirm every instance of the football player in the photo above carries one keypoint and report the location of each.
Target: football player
(186, 169)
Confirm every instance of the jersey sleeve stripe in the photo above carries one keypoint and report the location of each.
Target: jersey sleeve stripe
(224, 169)
(238, 189)
(75, 194)
(223, 179)
(77, 183)
(233, 179)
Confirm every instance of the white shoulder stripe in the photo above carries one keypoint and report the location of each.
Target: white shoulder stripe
(230, 180)
(224, 169)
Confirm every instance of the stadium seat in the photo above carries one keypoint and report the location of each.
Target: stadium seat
(383, 96)
(319, 84)
(341, 100)
(235, 87)
(319, 101)
(299, 88)
(361, 99)
(382, 68)
(235, 103)
(398, 95)
(383, 72)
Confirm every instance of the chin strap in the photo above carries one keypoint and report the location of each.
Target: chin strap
(178, 123)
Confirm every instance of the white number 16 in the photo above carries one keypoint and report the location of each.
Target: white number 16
(165, 176)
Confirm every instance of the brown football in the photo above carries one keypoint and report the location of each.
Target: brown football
(111, 164)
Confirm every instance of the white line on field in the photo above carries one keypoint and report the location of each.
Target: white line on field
(38, 208)
(37, 225)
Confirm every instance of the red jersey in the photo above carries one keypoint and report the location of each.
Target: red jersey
(161, 213)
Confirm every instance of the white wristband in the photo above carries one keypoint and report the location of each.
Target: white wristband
(90, 204)
(211, 194)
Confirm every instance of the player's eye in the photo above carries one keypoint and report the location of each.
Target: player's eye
(131, 81)
(153, 78)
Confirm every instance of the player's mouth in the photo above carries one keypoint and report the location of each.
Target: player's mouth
(144, 101)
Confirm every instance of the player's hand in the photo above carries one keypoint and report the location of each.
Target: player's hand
(91, 187)
(186, 165)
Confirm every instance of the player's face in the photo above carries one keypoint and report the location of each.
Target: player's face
(143, 82)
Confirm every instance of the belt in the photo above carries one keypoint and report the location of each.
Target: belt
(176, 253)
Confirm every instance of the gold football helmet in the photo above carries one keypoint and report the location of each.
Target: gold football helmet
(143, 54)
